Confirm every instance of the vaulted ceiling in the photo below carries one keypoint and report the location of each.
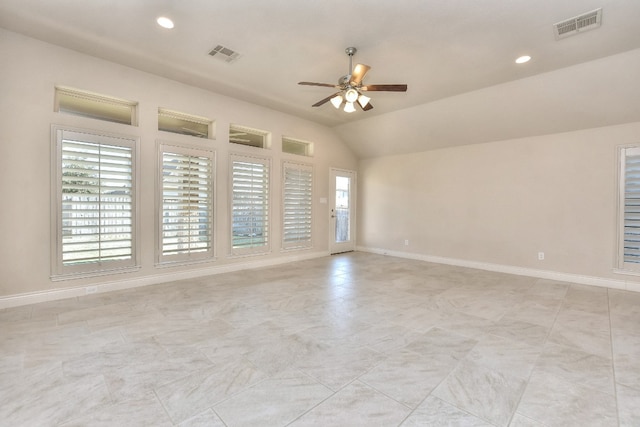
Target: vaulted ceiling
(457, 57)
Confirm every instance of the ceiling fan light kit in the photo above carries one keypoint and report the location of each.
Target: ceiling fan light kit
(350, 87)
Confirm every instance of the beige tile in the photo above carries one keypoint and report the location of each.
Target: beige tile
(518, 330)
(409, 377)
(355, 405)
(504, 355)
(337, 366)
(628, 406)
(134, 369)
(205, 419)
(403, 327)
(577, 366)
(43, 396)
(553, 401)
(586, 331)
(439, 342)
(202, 389)
(275, 401)
(435, 412)
(145, 410)
(483, 392)
(522, 421)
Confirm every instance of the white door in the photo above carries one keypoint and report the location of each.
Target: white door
(343, 201)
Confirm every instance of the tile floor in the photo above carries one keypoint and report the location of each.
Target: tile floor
(350, 340)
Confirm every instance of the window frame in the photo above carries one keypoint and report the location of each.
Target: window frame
(60, 271)
(296, 244)
(252, 249)
(189, 257)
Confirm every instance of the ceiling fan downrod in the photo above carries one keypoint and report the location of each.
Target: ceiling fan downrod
(350, 51)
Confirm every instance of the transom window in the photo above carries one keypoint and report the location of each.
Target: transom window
(247, 136)
(95, 106)
(185, 124)
(296, 146)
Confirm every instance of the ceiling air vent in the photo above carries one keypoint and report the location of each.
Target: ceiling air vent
(224, 54)
(586, 21)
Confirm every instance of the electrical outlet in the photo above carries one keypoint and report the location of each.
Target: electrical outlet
(90, 290)
(406, 242)
(540, 256)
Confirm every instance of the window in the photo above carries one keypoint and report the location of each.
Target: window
(629, 209)
(185, 124)
(294, 146)
(186, 208)
(246, 136)
(95, 199)
(297, 199)
(249, 204)
(92, 105)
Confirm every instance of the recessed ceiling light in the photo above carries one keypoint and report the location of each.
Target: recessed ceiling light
(523, 59)
(165, 22)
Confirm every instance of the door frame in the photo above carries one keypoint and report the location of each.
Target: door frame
(349, 246)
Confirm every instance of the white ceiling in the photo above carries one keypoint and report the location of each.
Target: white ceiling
(457, 57)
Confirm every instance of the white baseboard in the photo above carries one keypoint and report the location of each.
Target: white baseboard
(520, 271)
(57, 294)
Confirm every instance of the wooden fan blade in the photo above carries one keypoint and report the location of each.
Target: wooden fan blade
(366, 107)
(358, 74)
(325, 100)
(318, 84)
(383, 88)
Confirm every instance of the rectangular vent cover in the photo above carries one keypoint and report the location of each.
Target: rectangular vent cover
(586, 21)
(224, 54)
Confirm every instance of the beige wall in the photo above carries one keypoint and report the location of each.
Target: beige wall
(501, 202)
(30, 70)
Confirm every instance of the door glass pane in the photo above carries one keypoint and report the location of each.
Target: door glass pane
(343, 228)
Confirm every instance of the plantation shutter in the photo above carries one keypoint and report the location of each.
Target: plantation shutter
(297, 209)
(95, 202)
(187, 204)
(631, 206)
(249, 204)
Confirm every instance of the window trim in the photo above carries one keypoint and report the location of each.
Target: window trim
(305, 244)
(58, 270)
(183, 259)
(253, 250)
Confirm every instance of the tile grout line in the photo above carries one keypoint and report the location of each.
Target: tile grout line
(613, 363)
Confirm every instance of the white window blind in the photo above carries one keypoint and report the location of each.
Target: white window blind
(249, 204)
(95, 194)
(187, 204)
(297, 200)
(629, 250)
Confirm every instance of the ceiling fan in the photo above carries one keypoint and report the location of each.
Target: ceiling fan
(351, 87)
